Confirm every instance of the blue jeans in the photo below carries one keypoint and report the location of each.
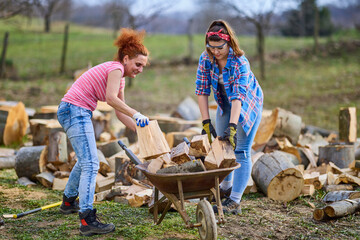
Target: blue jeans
(78, 127)
(240, 176)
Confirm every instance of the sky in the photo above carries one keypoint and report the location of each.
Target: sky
(191, 5)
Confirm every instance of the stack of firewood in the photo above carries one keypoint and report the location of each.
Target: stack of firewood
(289, 158)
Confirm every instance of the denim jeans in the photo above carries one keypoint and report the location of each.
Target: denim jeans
(240, 176)
(78, 127)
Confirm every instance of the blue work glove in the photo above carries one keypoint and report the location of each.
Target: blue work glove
(140, 119)
(230, 134)
(208, 129)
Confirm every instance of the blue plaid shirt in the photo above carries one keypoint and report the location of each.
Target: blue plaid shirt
(239, 82)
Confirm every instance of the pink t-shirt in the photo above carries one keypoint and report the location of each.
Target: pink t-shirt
(90, 87)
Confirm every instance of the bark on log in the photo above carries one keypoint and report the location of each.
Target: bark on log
(7, 162)
(340, 195)
(151, 140)
(188, 109)
(191, 166)
(171, 124)
(41, 128)
(343, 208)
(29, 162)
(111, 148)
(57, 148)
(347, 125)
(341, 155)
(277, 177)
(320, 215)
(288, 125)
(24, 181)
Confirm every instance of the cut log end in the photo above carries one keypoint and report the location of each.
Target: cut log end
(286, 186)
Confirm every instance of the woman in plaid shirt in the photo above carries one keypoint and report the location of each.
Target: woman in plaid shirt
(224, 68)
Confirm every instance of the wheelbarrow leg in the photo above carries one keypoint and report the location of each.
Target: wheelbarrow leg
(218, 200)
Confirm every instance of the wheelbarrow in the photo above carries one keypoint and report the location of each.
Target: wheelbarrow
(178, 187)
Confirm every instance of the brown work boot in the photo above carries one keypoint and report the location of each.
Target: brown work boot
(69, 205)
(90, 224)
(229, 206)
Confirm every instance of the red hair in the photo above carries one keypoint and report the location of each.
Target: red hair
(130, 42)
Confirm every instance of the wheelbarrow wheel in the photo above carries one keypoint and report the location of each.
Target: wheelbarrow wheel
(205, 215)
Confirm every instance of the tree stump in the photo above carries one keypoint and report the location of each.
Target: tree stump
(30, 161)
(41, 128)
(277, 177)
(341, 155)
(57, 148)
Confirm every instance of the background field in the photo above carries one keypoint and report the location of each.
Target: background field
(314, 87)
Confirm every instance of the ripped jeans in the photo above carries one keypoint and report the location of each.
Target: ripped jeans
(78, 127)
(239, 177)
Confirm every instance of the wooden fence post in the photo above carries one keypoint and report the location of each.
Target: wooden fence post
(63, 54)
(3, 55)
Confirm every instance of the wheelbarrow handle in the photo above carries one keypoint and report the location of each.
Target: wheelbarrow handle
(186, 140)
(129, 153)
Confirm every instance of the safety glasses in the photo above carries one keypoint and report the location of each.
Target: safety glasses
(216, 47)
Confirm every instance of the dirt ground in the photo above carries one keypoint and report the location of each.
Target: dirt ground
(261, 218)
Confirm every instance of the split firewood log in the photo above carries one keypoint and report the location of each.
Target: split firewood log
(266, 128)
(105, 183)
(104, 167)
(190, 166)
(59, 184)
(138, 196)
(347, 125)
(313, 178)
(199, 146)
(151, 140)
(308, 190)
(30, 161)
(221, 155)
(340, 195)
(339, 187)
(46, 179)
(13, 124)
(277, 177)
(24, 181)
(57, 148)
(346, 178)
(180, 153)
(100, 123)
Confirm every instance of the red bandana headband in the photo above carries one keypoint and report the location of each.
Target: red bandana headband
(221, 35)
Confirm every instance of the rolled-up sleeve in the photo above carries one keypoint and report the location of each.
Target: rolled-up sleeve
(241, 81)
(203, 82)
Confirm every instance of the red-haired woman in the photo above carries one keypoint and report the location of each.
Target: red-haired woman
(104, 82)
(224, 68)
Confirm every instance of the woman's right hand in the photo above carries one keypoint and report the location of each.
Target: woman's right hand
(140, 119)
(208, 129)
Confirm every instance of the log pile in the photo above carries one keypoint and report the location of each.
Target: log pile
(289, 158)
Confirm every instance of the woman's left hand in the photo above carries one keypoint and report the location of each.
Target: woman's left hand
(230, 134)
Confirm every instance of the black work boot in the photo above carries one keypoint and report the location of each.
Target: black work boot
(69, 205)
(90, 225)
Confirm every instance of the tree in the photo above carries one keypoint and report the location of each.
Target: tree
(259, 13)
(46, 9)
(303, 21)
(10, 8)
